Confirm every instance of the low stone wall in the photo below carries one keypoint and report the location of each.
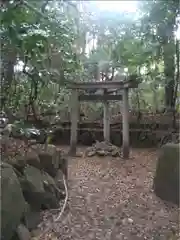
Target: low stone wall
(31, 182)
(138, 137)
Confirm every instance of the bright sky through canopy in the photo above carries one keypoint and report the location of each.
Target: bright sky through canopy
(113, 6)
(118, 6)
(121, 6)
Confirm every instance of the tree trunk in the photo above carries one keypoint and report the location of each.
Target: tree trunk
(155, 98)
(83, 43)
(176, 82)
(7, 75)
(139, 115)
(177, 78)
(169, 70)
(169, 60)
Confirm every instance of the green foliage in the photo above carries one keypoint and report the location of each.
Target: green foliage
(51, 39)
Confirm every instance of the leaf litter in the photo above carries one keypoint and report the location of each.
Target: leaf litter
(112, 199)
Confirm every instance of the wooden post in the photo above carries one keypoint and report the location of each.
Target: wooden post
(106, 124)
(74, 121)
(125, 120)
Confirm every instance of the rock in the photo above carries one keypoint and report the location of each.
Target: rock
(60, 183)
(79, 154)
(46, 161)
(35, 233)
(51, 158)
(38, 189)
(32, 186)
(32, 159)
(16, 162)
(3, 122)
(115, 153)
(103, 149)
(124, 221)
(50, 186)
(130, 220)
(32, 219)
(16, 132)
(7, 130)
(23, 233)
(33, 133)
(64, 166)
(20, 162)
(101, 153)
(91, 153)
(102, 146)
(59, 180)
(13, 205)
(166, 180)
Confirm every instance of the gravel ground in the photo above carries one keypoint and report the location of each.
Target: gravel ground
(112, 199)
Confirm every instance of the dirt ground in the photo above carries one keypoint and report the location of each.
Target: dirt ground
(112, 199)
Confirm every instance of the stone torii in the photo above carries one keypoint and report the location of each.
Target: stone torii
(105, 98)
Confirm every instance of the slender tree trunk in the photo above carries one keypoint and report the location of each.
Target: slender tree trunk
(169, 61)
(155, 97)
(84, 43)
(138, 106)
(170, 81)
(155, 100)
(8, 58)
(177, 78)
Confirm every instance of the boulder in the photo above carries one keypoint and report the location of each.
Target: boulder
(48, 164)
(28, 186)
(39, 189)
(19, 162)
(16, 162)
(29, 133)
(166, 180)
(60, 183)
(101, 153)
(116, 153)
(102, 149)
(31, 158)
(23, 233)
(51, 159)
(17, 132)
(91, 153)
(13, 205)
(32, 219)
(103, 146)
(3, 122)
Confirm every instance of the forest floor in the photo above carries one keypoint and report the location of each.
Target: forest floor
(112, 199)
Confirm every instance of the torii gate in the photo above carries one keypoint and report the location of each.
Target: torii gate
(107, 85)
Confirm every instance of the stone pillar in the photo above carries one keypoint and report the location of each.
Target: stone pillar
(74, 121)
(106, 122)
(125, 123)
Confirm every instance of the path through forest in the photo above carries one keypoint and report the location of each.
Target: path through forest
(113, 199)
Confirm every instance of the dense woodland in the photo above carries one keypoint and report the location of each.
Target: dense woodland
(99, 192)
(46, 44)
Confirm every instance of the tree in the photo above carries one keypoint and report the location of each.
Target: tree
(51, 38)
(43, 41)
(160, 22)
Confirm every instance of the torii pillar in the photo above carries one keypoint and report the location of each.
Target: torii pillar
(125, 124)
(74, 121)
